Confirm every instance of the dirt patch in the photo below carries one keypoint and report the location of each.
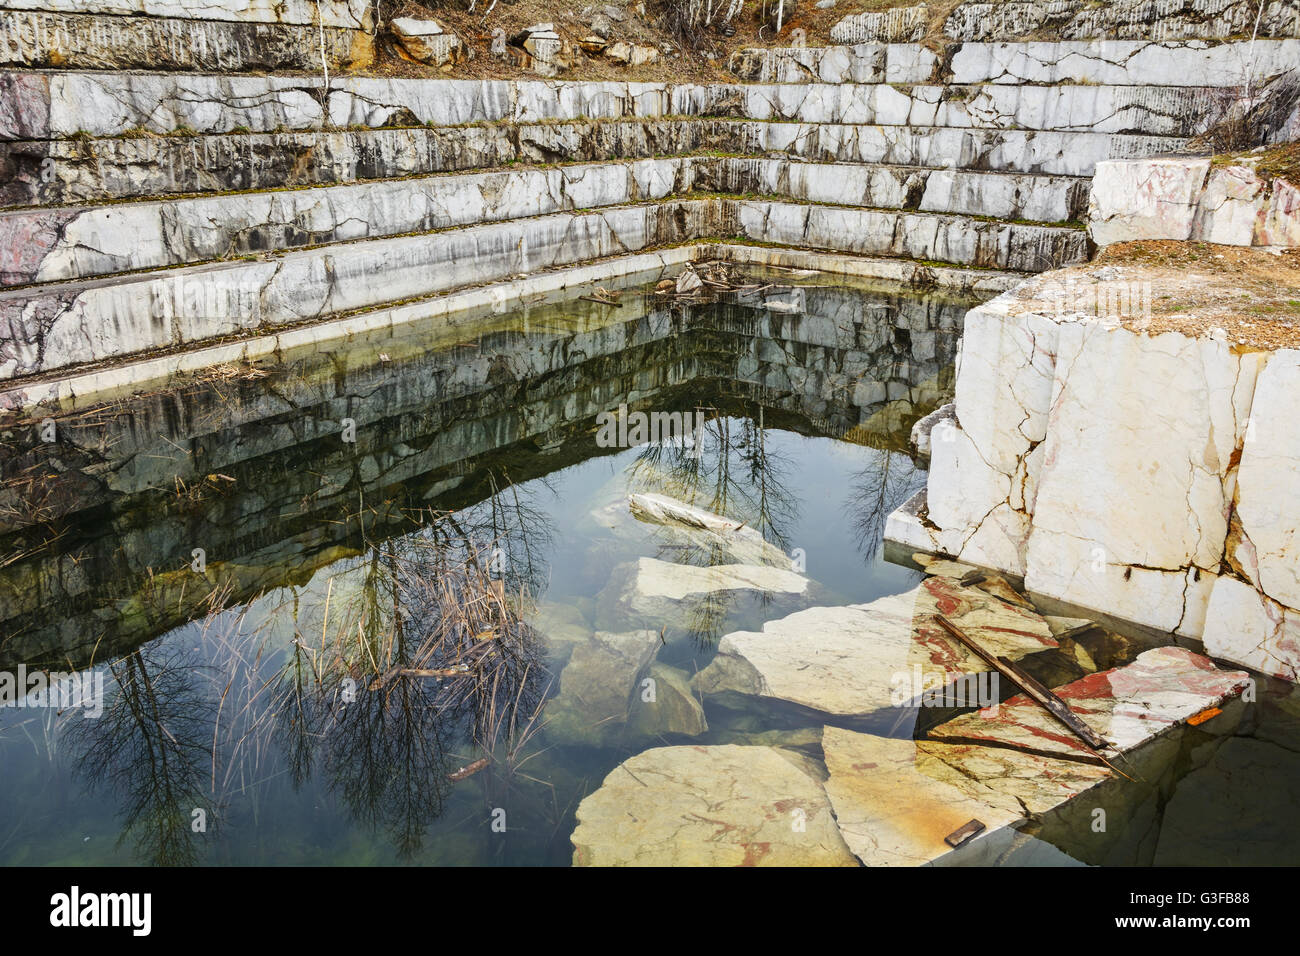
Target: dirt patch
(702, 59)
(1275, 162)
(1248, 297)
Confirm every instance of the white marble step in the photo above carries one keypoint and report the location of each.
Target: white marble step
(1104, 62)
(331, 13)
(72, 171)
(51, 245)
(53, 326)
(56, 105)
(60, 40)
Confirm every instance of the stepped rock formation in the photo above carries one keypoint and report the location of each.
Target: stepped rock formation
(148, 203)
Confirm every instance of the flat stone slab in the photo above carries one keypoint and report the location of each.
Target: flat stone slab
(709, 806)
(655, 582)
(896, 800)
(860, 658)
(1127, 705)
(707, 530)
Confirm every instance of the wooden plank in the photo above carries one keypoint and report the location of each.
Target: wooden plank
(1036, 691)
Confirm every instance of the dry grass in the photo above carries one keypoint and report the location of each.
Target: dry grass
(1251, 294)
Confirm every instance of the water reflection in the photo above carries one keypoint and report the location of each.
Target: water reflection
(150, 750)
(357, 628)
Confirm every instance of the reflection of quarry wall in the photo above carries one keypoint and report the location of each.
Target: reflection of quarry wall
(438, 405)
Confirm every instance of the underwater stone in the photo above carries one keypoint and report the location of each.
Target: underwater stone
(597, 685)
(675, 708)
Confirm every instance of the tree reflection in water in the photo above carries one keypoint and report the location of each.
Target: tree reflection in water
(427, 668)
(420, 665)
(735, 474)
(150, 748)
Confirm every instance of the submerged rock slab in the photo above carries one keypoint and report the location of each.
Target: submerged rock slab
(708, 531)
(1127, 705)
(674, 708)
(658, 587)
(709, 806)
(860, 658)
(596, 686)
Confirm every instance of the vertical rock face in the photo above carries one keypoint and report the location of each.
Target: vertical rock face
(1187, 199)
(1124, 469)
(899, 25)
(1257, 621)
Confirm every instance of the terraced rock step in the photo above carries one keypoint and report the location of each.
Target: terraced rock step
(1108, 62)
(55, 326)
(57, 105)
(48, 172)
(48, 245)
(1165, 20)
(354, 14)
(92, 42)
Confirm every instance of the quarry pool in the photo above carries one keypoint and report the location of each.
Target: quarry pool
(400, 601)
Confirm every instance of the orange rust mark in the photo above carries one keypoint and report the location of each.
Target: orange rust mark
(1203, 716)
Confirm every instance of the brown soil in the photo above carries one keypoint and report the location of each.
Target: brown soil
(1274, 162)
(1253, 295)
(706, 61)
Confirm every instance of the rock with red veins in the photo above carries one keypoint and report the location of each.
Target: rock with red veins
(709, 806)
(896, 800)
(858, 658)
(1126, 705)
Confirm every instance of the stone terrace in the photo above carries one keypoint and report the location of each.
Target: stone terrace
(202, 201)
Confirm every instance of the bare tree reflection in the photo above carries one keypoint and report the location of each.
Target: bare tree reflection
(877, 490)
(151, 748)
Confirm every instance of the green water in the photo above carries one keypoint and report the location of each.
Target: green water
(255, 708)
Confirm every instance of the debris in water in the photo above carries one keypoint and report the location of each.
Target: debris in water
(1036, 691)
(965, 832)
(468, 771)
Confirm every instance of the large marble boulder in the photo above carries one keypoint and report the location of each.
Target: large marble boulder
(1188, 198)
(1129, 460)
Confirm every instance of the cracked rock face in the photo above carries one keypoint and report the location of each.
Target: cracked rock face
(1058, 410)
(1189, 199)
(860, 658)
(1126, 19)
(709, 806)
(111, 104)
